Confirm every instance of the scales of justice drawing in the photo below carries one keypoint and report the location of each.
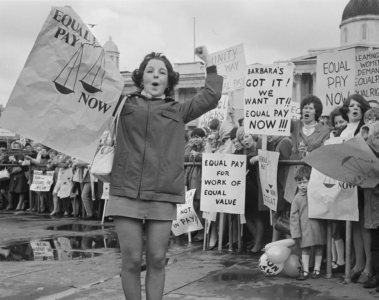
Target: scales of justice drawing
(91, 81)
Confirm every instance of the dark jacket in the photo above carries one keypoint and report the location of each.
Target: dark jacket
(149, 154)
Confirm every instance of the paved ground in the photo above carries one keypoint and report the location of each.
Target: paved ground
(87, 261)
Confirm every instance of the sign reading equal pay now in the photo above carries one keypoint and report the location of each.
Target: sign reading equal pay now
(223, 183)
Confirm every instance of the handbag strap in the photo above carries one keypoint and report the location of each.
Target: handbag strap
(113, 128)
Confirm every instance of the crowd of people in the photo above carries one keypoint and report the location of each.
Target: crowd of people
(356, 117)
(74, 191)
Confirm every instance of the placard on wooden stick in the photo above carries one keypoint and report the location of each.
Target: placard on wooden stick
(335, 78)
(267, 99)
(223, 183)
(231, 65)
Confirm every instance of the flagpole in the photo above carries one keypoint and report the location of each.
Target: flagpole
(194, 38)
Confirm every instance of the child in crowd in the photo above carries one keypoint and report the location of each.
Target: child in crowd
(309, 232)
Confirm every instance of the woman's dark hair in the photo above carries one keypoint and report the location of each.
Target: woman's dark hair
(335, 113)
(233, 133)
(213, 124)
(173, 77)
(317, 104)
(365, 106)
(304, 171)
(198, 131)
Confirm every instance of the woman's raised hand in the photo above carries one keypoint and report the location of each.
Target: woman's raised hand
(202, 53)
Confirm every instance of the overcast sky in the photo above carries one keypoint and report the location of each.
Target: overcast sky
(270, 30)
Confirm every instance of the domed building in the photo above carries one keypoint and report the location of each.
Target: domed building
(112, 52)
(359, 29)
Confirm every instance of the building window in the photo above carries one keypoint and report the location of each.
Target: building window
(112, 57)
(364, 32)
(345, 35)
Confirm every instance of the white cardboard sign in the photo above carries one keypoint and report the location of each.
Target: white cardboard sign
(367, 76)
(335, 78)
(267, 99)
(231, 65)
(268, 171)
(220, 112)
(42, 183)
(223, 183)
(187, 219)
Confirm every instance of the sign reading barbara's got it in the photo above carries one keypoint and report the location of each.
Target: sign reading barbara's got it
(223, 183)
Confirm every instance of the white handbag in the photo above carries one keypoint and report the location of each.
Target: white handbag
(4, 175)
(102, 163)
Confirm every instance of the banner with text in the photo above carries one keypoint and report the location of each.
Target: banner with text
(231, 65)
(68, 90)
(367, 74)
(42, 183)
(268, 171)
(268, 95)
(187, 220)
(335, 78)
(223, 183)
(220, 112)
(329, 198)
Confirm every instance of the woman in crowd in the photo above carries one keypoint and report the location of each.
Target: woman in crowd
(307, 135)
(254, 221)
(353, 110)
(84, 178)
(148, 175)
(193, 174)
(18, 184)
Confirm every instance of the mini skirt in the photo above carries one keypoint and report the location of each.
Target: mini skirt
(140, 209)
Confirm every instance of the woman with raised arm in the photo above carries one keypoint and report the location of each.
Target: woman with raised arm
(147, 179)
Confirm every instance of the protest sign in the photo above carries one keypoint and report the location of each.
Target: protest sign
(65, 183)
(68, 89)
(231, 65)
(42, 183)
(335, 78)
(352, 162)
(105, 194)
(268, 95)
(367, 74)
(295, 110)
(220, 112)
(268, 171)
(186, 220)
(210, 216)
(223, 183)
(329, 198)
(42, 250)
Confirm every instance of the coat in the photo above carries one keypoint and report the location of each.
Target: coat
(149, 154)
(311, 232)
(314, 141)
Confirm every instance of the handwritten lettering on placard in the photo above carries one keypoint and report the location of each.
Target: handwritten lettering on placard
(268, 96)
(335, 78)
(187, 220)
(268, 170)
(220, 113)
(367, 74)
(231, 65)
(223, 183)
